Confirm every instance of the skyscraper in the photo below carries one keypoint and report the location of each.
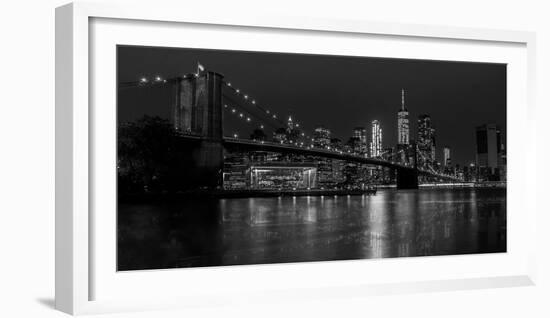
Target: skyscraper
(403, 122)
(488, 151)
(446, 156)
(361, 134)
(376, 143)
(321, 137)
(426, 142)
(292, 131)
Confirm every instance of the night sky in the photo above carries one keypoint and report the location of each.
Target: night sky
(338, 92)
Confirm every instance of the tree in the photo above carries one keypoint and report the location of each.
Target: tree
(146, 154)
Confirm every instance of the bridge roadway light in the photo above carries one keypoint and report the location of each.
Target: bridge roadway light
(158, 79)
(245, 96)
(238, 90)
(143, 80)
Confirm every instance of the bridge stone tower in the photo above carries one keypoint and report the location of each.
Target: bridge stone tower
(407, 178)
(197, 111)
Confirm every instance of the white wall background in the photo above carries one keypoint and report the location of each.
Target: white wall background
(27, 159)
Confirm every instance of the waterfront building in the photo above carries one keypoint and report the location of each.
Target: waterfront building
(338, 171)
(235, 171)
(321, 137)
(361, 134)
(446, 156)
(324, 172)
(426, 142)
(354, 145)
(292, 131)
(282, 175)
(376, 140)
(336, 144)
(388, 154)
(489, 152)
(280, 136)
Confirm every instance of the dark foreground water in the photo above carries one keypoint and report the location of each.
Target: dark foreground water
(274, 230)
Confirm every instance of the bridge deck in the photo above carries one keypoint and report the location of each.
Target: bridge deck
(332, 154)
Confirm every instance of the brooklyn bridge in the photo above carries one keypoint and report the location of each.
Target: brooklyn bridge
(201, 102)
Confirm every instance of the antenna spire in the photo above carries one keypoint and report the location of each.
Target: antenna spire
(402, 99)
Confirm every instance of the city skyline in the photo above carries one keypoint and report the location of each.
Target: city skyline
(234, 158)
(462, 95)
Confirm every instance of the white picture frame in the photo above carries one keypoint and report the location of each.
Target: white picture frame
(75, 256)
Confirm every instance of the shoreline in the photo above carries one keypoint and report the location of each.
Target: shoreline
(235, 194)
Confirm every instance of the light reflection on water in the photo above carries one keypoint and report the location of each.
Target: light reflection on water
(310, 228)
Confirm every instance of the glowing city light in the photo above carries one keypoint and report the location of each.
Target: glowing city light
(233, 110)
(245, 96)
(238, 91)
(143, 79)
(158, 79)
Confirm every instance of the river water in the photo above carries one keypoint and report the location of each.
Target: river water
(392, 223)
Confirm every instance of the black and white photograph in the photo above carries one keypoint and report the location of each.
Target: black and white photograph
(231, 157)
(277, 159)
